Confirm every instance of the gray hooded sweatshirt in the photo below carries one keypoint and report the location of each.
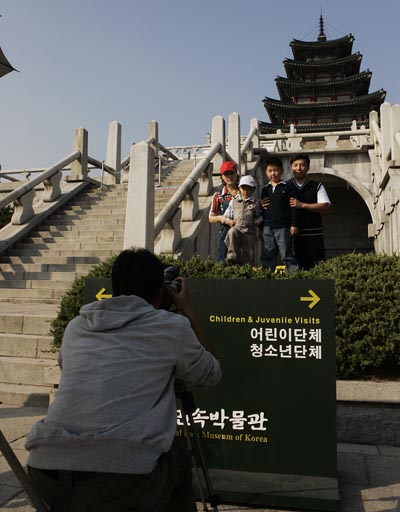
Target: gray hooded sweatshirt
(115, 408)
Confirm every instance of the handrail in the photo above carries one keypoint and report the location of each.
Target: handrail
(100, 165)
(29, 185)
(3, 174)
(193, 146)
(150, 140)
(307, 135)
(167, 152)
(166, 213)
(247, 142)
(9, 178)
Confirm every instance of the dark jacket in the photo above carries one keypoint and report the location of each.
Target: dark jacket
(279, 214)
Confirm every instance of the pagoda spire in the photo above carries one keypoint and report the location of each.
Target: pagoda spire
(321, 35)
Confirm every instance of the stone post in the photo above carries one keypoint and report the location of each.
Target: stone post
(218, 135)
(79, 167)
(256, 139)
(234, 139)
(386, 133)
(139, 220)
(113, 156)
(395, 129)
(153, 132)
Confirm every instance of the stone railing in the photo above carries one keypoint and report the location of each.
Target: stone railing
(45, 186)
(183, 209)
(385, 160)
(293, 142)
(36, 198)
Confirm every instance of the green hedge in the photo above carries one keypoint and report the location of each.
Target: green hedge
(367, 293)
(5, 215)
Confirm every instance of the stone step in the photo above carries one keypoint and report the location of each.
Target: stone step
(27, 345)
(87, 202)
(89, 209)
(14, 284)
(72, 238)
(38, 276)
(64, 246)
(95, 212)
(63, 221)
(27, 294)
(24, 370)
(101, 253)
(50, 260)
(79, 268)
(23, 395)
(15, 321)
(92, 219)
(97, 235)
(16, 301)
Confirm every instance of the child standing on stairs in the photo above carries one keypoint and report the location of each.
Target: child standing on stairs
(244, 216)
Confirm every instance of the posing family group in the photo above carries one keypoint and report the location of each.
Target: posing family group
(289, 214)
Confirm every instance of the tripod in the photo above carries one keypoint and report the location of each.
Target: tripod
(186, 402)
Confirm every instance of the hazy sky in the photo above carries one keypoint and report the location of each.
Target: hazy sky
(180, 62)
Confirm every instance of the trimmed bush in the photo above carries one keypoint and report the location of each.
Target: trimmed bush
(367, 294)
(5, 215)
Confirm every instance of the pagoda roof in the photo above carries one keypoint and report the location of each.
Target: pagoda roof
(303, 50)
(269, 128)
(322, 63)
(274, 107)
(286, 86)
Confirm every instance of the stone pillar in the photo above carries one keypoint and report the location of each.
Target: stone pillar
(139, 221)
(395, 129)
(234, 139)
(153, 132)
(79, 167)
(113, 157)
(218, 135)
(386, 133)
(256, 139)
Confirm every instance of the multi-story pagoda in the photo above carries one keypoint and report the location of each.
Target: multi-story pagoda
(324, 89)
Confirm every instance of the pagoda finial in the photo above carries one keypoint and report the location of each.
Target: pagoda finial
(321, 35)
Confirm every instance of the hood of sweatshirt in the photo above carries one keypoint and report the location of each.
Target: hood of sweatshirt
(114, 313)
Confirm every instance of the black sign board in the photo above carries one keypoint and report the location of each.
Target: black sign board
(269, 428)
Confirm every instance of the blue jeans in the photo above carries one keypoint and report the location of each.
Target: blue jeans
(222, 248)
(274, 240)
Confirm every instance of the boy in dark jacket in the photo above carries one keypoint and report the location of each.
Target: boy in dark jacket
(279, 219)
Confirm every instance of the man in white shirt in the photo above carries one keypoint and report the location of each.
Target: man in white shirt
(311, 200)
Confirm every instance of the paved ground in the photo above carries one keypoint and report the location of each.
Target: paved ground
(369, 476)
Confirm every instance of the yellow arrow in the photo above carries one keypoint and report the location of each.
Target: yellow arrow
(101, 295)
(313, 299)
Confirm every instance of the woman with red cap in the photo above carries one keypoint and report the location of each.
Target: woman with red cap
(220, 202)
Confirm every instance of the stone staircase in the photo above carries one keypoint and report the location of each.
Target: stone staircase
(36, 272)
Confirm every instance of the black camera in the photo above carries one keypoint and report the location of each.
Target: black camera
(170, 281)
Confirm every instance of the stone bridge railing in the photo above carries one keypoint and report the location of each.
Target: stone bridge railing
(294, 142)
(35, 199)
(385, 159)
(183, 223)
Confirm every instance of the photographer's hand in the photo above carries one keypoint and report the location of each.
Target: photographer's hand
(184, 304)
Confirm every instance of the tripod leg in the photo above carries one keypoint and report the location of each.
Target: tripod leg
(192, 455)
(214, 499)
(21, 474)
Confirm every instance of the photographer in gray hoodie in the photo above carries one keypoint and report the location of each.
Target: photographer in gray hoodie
(107, 441)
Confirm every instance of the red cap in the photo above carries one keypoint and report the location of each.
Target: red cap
(227, 166)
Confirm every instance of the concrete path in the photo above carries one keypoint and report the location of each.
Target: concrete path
(369, 476)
